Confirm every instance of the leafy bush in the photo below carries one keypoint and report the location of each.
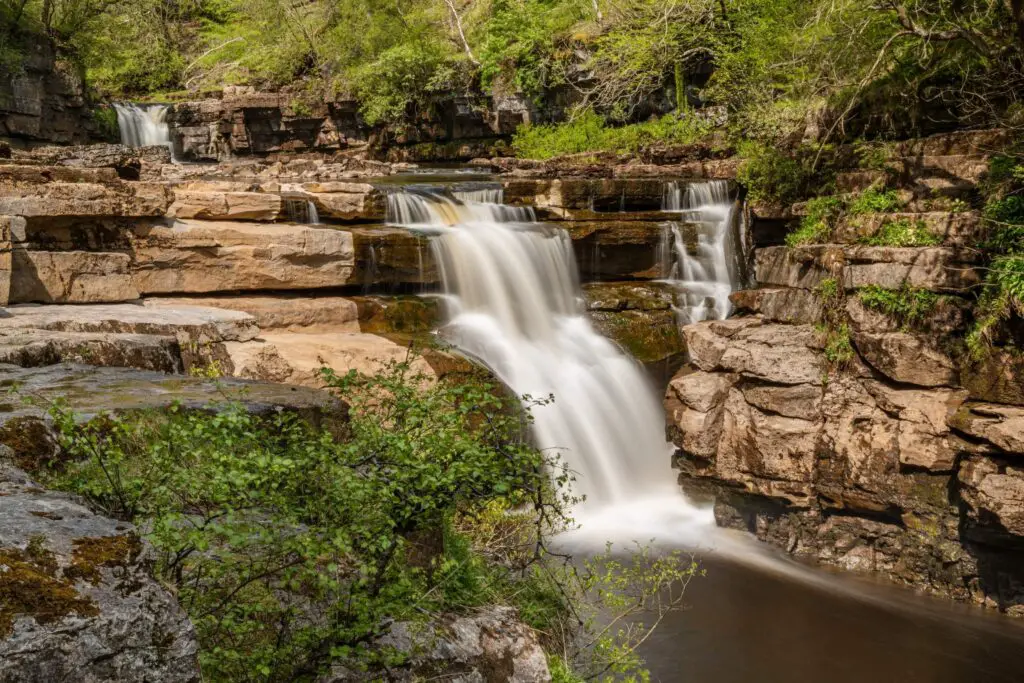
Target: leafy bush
(908, 305)
(816, 227)
(773, 175)
(288, 547)
(591, 133)
(1002, 297)
(293, 547)
(875, 200)
(904, 233)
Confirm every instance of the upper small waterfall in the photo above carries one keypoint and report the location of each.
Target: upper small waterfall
(143, 125)
(710, 271)
(514, 301)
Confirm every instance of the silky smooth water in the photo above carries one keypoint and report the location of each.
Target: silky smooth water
(707, 274)
(514, 302)
(143, 125)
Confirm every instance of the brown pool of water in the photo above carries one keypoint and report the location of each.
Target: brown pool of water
(746, 626)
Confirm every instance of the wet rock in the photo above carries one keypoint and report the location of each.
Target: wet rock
(78, 601)
(491, 646)
(617, 249)
(392, 257)
(639, 317)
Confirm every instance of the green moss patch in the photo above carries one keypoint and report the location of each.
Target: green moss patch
(30, 586)
(90, 554)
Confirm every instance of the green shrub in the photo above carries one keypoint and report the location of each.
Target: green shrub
(105, 119)
(908, 305)
(874, 200)
(771, 175)
(590, 132)
(261, 524)
(903, 233)
(1002, 297)
(816, 227)
(293, 547)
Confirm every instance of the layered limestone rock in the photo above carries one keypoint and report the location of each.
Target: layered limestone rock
(844, 468)
(78, 600)
(194, 257)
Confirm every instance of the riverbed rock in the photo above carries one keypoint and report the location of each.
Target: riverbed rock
(78, 601)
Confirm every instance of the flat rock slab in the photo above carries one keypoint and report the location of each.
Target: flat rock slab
(295, 358)
(79, 602)
(209, 323)
(298, 313)
(29, 347)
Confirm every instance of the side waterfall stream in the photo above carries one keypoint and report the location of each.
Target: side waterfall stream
(512, 292)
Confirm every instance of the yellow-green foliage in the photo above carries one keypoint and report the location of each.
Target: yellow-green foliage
(904, 232)
(592, 133)
(816, 227)
(908, 305)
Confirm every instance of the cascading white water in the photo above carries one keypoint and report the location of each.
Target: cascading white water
(515, 304)
(487, 195)
(312, 215)
(707, 276)
(143, 125)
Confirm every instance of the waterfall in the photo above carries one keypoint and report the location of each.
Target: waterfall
(301, 211)
(514, 302)
(488, 195)
(707, 274)
(144, 125)
(312, 215)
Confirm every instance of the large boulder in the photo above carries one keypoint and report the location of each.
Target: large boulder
(78, 601)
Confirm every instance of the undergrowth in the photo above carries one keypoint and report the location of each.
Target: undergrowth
(910, 306)
(592, 133)
(903, 232)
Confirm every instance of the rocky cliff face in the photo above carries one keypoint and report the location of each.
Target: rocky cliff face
(44, 100)
(243, 121)
(857, 437)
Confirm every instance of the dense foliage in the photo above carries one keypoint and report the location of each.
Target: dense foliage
(293, 547)
(785, 70)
